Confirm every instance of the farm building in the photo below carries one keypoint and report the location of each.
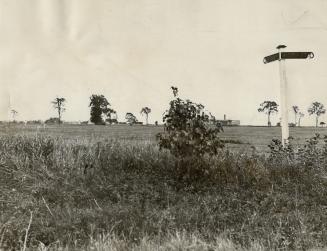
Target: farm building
(229, 122)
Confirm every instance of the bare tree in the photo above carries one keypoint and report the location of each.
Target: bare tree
(14, 114)
(146, 110)
(268, 107)
(59, 105)
(317, 109)
(301, 115)
(296, 111)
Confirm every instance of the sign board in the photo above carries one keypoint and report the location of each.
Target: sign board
(281, 56)
(288, 55)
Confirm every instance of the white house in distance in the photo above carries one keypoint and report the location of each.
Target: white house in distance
(229, 122)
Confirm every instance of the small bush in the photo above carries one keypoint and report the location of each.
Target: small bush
(187, 131)
(311, 155)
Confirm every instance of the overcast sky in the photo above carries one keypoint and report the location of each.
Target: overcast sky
(133, 51)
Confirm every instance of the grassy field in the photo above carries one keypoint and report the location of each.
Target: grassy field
(244, 136)
(110, 188)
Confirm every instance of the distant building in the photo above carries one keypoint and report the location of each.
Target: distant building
(229, 122)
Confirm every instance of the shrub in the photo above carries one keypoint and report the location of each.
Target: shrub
(313, 154)
(52, 121)
(191, 138)
(187, 130)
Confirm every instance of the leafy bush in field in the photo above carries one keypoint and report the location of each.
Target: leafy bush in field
(313, 154)
(190, 138)
(52, 121)
(78, 191)
(187, 132)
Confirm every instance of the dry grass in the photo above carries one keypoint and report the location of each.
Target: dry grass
(249, 136)
(101, 194)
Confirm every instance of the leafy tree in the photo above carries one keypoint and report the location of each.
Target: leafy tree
(317, 109)
(131, 119)
(268, 107)
(322, 124)
(301, 115)
(111, 115)
(296, 110)
(99, 107)
(187, 131)
(146, 110)
(59, 105)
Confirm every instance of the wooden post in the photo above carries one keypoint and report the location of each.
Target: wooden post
(283, 97)
(281, 57)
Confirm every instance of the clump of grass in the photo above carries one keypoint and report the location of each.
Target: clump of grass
(172, 242)
(78, 191)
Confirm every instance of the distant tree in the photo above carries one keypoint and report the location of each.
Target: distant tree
(14, 114)
(146, 110)
(322, 124)
(34, 122)
(296, 111)
(317, 109)
(59, 105)
(130, 118)
(99, 107)
(268, 107)
(111, 116)
(301, 115)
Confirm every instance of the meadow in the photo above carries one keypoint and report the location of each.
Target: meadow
(73, 187)
(243, 138)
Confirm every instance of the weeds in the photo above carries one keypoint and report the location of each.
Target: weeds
(119, 196)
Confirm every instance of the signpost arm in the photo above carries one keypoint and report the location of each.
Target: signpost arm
(281, 57)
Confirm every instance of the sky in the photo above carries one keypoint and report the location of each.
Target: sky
(133, 51)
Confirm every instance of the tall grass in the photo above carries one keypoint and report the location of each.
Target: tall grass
(122, 196)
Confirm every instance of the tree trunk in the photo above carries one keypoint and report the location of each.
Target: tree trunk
(269, 123)
(147, 118)
(59, 116)
(317, 121)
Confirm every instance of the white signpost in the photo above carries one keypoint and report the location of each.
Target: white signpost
(281, 56)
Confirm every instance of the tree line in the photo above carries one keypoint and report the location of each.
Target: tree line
(316, 108)
(100, 111)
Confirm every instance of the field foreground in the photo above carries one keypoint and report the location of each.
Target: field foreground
(93, 193)
(243, 138)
